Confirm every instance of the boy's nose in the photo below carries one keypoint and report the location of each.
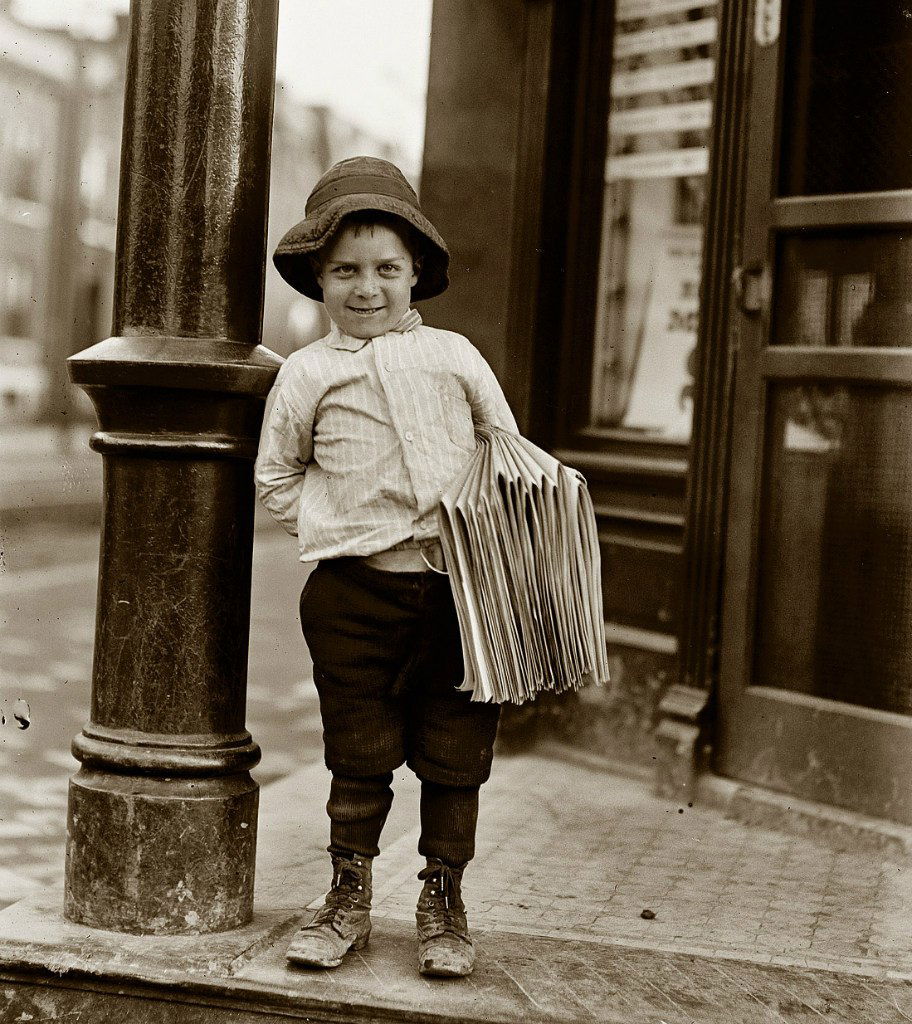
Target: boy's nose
(366, 285)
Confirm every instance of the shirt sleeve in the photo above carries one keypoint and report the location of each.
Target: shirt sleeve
(489, 404)
(286, 447)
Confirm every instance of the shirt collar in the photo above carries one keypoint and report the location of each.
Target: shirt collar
(410, 319)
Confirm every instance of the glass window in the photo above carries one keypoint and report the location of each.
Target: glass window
(848, 92)
(844, 288)
(835, 600)
(655, 197)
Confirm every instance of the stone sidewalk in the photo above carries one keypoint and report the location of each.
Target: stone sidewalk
(581, 855)
(749, 924)
(45, 471)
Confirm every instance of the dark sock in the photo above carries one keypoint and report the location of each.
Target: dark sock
(449, 815)
(357, 811)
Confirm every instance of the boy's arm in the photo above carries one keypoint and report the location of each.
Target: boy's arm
(489, 404)
(286, 446)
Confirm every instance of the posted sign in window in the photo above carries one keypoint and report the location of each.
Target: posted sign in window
(663, 70)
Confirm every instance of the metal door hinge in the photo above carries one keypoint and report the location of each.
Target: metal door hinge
(752, 287)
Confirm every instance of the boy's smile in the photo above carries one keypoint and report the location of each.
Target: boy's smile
(367, 274)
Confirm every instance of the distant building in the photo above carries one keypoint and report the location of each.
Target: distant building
(305, 141)
(58, 173)
(59, 178)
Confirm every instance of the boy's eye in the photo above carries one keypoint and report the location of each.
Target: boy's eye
(344, 270)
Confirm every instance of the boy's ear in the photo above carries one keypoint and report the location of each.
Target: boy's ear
(417, 262)
(316, 265)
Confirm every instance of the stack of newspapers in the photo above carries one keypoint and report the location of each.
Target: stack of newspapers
(520, 545)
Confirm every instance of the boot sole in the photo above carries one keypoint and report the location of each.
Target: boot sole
(433, 970)
(302, 960)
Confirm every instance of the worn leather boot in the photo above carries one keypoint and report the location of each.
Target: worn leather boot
(342, 923)
(445, 948)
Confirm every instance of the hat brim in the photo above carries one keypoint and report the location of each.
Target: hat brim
(311, 234)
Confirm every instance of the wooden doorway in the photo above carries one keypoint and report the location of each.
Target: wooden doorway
(816, 663)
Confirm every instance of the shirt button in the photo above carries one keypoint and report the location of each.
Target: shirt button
(409, 436)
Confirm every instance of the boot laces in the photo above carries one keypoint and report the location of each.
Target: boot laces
(444, 899)
(346, 892)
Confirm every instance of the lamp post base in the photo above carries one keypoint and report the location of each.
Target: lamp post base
(160, 856)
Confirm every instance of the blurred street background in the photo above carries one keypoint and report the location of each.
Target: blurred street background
(362, 90)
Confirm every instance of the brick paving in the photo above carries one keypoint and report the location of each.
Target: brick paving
(568, 858)
(572, 853)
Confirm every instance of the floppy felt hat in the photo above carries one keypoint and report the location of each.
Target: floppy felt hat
(359, 183)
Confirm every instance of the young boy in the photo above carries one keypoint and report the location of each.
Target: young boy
(368, 427)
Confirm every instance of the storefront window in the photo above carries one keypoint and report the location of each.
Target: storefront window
(834, 614)
(655, 199)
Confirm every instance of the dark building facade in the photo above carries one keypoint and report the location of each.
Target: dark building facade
(680, 235)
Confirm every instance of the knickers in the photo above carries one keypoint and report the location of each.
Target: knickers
(387, 660)
(358, 807)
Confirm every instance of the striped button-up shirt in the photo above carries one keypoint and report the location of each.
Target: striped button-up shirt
(364, 436)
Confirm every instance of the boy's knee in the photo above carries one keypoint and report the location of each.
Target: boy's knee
(343, 760)
(351, 799)
(460, 773)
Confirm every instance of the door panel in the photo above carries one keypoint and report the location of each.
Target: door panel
(816, 667)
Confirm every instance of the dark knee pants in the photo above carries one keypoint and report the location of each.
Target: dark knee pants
(387, 660)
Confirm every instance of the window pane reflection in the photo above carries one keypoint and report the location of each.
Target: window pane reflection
(844, 288)
(835, 597)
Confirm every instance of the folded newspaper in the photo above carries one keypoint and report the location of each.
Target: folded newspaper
(520, 544)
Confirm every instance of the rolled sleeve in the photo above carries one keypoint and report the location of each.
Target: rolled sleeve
(489, 404)
(286, 447)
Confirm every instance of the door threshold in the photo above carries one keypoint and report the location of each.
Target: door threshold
(838, 828)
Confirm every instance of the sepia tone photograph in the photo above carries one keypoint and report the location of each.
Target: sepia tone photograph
(452, 539)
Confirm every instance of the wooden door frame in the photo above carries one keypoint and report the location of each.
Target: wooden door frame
(717, 347)
(772, 737)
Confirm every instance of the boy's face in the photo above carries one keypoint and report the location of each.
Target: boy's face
(366, 274)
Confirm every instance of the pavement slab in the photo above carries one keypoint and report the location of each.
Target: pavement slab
(568, 858)
(580, 854)
(47, 471)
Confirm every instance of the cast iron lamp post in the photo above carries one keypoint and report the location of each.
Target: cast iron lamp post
(162, 813)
